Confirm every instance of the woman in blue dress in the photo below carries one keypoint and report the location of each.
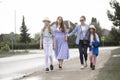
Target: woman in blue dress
(62, 50)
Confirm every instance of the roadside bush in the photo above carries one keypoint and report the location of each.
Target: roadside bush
(4, 49)
(110, 43)
(25, 46)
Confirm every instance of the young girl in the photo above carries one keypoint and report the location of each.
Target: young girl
(94, 44)
(47, 39)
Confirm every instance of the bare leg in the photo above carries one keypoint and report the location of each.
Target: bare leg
(94, 59)
(60, 63)
(90, 56)
(91, 59)
(94, 62)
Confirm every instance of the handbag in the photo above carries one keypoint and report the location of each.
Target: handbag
(84, 42)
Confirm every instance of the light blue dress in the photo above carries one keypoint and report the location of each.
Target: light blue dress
(62, 50)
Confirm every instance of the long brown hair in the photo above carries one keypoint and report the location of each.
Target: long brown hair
(94, 34)
(61, 25)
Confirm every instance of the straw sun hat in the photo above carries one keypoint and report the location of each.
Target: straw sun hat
(92, 27)
(46, 19)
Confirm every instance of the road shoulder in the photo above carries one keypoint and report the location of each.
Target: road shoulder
(111, 70)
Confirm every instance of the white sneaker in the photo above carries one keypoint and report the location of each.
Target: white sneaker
(85, 65)
(82, 67)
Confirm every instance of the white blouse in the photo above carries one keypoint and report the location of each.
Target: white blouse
(83, 32)
(92, 37)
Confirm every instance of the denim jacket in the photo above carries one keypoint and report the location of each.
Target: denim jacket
(78, 31)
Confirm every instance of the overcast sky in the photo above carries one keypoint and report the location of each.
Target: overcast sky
(35, 11)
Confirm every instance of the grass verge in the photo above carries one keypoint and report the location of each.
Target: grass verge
(111, 70)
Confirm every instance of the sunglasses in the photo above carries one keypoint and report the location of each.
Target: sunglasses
(81, 20)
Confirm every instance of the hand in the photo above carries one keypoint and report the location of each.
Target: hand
(66, 38)
(68, 35)
(91, 44)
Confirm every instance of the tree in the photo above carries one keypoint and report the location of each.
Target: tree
(97, 25)
(25, 37)
(1, 38)
(37, 38)
(115, 16)
(71, 40)
(4, 39)
(114, 36)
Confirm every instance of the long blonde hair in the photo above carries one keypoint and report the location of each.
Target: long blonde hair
(49, 28)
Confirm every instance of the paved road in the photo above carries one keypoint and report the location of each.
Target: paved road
(18, 66)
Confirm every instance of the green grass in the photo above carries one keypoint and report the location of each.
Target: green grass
(111, 70)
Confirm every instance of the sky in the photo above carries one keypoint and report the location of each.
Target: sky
(35, 11)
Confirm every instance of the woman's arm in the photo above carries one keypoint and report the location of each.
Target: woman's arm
(53, 37)
(73, 32)
(97, 37)
(41, 39)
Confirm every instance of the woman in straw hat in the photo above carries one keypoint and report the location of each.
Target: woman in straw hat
(48, 42)
(94, 44)
(61, 50)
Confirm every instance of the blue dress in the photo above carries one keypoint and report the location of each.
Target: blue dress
(62, 50)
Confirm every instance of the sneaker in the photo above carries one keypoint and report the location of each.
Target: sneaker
(85, 65)
(51, 67)
(91, 64)
(93, 67)
(47, 69)
(82, 67)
